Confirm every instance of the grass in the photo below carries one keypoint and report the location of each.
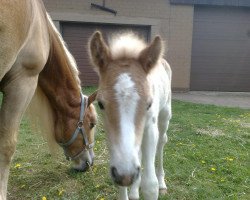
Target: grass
(206, 157)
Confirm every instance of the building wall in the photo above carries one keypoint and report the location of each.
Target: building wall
(173, 22)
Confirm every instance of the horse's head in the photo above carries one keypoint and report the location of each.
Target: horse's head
(125, 97)
(78, 145)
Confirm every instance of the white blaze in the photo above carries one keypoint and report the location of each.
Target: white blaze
(126, 153)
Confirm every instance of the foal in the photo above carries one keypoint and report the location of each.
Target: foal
(135, 96)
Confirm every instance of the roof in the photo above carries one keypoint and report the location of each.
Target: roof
(237, 3)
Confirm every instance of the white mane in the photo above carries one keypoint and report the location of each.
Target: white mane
(126, 45)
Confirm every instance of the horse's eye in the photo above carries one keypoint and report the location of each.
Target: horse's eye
(92, 125)
(149, 105)
(100, 105)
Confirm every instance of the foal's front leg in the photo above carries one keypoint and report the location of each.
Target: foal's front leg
(17, 95)
(123, 193)
(149, 184)
(134, 190)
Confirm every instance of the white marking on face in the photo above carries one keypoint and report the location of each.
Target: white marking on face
(125, 152)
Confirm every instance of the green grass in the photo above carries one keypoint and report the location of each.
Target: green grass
(206, 157)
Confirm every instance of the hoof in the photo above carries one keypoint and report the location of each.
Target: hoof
(163, 191)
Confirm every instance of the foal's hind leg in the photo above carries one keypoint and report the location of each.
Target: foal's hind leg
(163, 123)
(17, 95)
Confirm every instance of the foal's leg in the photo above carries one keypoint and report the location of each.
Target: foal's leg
(149, 184)
(17, 95)
(163, 122)
(123, 193)
(134, 190)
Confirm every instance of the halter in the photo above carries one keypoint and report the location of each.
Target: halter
(78, 130)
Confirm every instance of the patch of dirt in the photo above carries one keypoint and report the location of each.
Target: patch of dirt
(210, 131)
(245, 125)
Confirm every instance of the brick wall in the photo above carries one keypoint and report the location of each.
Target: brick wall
(173, 22)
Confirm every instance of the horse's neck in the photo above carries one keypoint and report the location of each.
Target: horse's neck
(59, 87)
(59, 82)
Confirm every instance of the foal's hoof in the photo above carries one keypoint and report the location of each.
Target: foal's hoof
(163, 191)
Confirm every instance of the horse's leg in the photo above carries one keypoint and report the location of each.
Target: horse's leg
(134, 190)
(149, 183)
(123, 193)
(17, 95)
(163, 122)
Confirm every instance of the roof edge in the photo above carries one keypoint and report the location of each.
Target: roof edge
(236, 3)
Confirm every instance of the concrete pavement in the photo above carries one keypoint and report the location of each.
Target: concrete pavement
(228, 99)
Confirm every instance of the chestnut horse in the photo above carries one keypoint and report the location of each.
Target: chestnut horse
(35, 60)
(135, 95)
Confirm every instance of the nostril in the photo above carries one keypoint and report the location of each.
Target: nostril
(114, 172)
(138, 169)
(92, 162)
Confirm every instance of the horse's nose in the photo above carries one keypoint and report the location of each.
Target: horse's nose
(124, 180)
(84, 166)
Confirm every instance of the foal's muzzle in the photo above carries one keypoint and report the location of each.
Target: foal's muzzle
(124, 179)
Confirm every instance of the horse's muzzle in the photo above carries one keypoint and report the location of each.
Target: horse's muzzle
(84, 166)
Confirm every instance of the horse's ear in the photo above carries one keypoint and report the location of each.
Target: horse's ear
(151, 54)
(92, 98)
(99, 52)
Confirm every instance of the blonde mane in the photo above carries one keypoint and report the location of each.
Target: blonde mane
(126, 45)
(71, 61)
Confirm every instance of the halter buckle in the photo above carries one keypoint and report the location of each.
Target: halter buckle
(80, 124)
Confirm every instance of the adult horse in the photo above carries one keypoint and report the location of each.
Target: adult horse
(34, 60)
(135, 96)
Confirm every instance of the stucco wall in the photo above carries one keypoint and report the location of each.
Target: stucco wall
(173, 22)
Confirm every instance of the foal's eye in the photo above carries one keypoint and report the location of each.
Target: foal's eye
(100, 105)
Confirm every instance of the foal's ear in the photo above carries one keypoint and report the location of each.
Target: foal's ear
(99, 52)
(92, 98)
(151, 54)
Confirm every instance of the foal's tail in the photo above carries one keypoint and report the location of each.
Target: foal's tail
(41, 118)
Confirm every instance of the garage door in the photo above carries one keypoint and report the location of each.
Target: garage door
(221, 49)
(76, 36)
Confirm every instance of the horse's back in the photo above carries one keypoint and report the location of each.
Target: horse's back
(161, 79)
(167, 69)
(162, 76)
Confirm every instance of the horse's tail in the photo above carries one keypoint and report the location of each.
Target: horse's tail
(41, 118)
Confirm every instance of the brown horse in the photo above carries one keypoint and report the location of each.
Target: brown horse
(35, 62)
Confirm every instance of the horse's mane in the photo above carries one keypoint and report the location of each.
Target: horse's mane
(60, 53)
(40, 113)
(126, 45)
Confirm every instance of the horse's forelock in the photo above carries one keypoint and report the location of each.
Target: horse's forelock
(126, 45)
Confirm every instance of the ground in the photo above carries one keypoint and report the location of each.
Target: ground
(206, 157)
